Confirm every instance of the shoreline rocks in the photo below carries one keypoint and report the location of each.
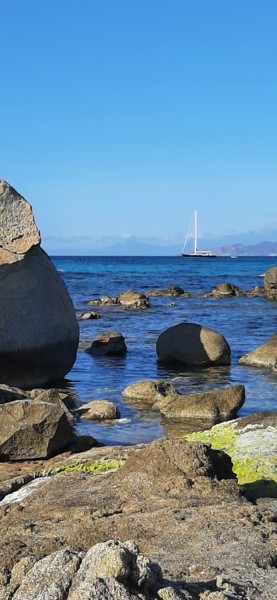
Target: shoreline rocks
(39, 330)
(270, 284)
(111, 342)
(98, 410)
(193, 345)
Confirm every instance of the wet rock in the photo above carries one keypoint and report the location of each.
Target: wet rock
(224, 290)
(265, 356)
(98, 410)
(173, 291)
(89, 316)
(193, 345)
(214, 405)
(133, 300)
(103, 301)
(108, 343)
(149, 392)
(38, 344)
(270, 283)
(251, 443)
(9, 394)
(33, 429)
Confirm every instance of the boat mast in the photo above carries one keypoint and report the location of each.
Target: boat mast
(195, 232)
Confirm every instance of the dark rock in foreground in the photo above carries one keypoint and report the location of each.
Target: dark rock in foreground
(193, 345)
(39, 331)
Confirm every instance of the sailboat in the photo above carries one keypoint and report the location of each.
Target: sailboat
(196, 253)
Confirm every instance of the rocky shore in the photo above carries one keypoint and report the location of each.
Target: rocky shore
(191, 517)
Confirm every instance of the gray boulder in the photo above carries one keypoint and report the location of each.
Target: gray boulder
(265, 356)
(193, 345)
(215, 405)
(270, 283)
(32, 429)
(39, 330)
(98, 410)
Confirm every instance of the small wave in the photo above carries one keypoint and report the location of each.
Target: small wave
(60, 270)
(262, 275)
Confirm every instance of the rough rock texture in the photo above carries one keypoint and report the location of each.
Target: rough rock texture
(251, 442)
(8, 394)
(39, 330)
(265, 356)
(174, 498)
(214, 405)
(173, 291)
(89, 316)
(104, 301)
(133, 300)
(223, 290)
(193, 345)
(98, 410)
(108, 343)
(270, 283)
(149, 392)
(33, 429)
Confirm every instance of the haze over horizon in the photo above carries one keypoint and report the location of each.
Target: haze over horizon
(119, 119)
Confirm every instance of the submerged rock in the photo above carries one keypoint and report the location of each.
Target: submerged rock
(39, 330)
(108, 343)
(173, 291)
(98, 410)
(193, 345)
(265, 356)
(270, 283)
(215, 405)
(88, 316)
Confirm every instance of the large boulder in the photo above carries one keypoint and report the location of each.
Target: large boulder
(39, 330)
(33, 429)
(193, 345)
(214, 406)
(265, 356)
(270, 283)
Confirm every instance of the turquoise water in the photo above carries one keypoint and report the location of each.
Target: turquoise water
(245, 322)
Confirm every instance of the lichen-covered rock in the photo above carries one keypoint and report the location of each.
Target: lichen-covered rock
(108, 343)
(270, 283)
(39, 330)
(133, 300)
(98, 410)
(149, 392)
(193, 345)
(33, 429)
(215, 405)
(251, 443)
(265, 356)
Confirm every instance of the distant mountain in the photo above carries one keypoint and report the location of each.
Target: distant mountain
(261, 249)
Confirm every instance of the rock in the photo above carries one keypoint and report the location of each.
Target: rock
(104, 301)
(251, 443)
(149, 392)
(88, 316)
(270, 283)
(38, 343)
(98, 410)
(8, 394)
(224, 290)
(173, 291)
(133, 300)
(108, 343)
(179, 501)
(193, 345)
(215, 405)
(33, 429)
(265, 356)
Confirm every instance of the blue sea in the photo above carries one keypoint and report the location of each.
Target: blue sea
(245, 322)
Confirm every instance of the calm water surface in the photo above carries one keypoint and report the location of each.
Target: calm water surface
(245, 322)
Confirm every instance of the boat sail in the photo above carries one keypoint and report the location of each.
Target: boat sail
(192, 233)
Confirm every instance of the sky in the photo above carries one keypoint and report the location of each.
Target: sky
(119, 118)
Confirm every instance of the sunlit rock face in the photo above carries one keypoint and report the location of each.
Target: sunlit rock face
(38, 327)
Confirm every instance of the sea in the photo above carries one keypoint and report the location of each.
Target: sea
(245, 322)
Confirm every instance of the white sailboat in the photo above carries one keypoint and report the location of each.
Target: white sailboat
(192, 234)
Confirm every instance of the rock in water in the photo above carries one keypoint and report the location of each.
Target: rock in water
(193, 345)
(270, 283)
(39, 330)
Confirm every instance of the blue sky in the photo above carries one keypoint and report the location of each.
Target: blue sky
(120, 117)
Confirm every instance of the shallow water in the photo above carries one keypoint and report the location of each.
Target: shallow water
(245, 322)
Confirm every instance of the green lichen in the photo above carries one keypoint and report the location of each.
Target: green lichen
(252, 449)
(94, 468)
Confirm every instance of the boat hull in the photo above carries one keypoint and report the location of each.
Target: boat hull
(198, 255)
